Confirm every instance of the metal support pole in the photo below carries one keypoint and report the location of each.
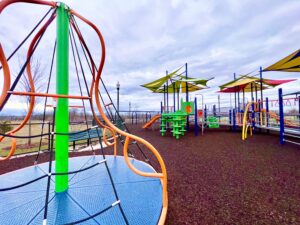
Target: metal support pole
(187, 96)
(62, 87)
(261, 88)
(234, 77)
(118, 95)
(164, 98)
(167, 92)
(281, 116)
(267, 113)
(234, 120)
(174, 97)
(196, 130)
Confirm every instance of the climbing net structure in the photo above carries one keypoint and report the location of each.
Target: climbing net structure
(126, 187)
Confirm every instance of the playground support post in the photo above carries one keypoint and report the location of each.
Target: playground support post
(299, 110)
(161, 107)
(234, 77)
(164, 97)
(253, 115)
(62, 87)
(205, 114)
(219, 106)
(196, 130)
(234, 119)
(281, 116)
(187, 96)
(167, 93)
(174, 97)
(261, 88)
(267, 113)
(230, 119)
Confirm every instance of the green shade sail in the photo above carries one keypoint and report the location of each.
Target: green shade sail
(177, 83)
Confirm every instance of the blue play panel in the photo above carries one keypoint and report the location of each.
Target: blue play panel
(89, 193)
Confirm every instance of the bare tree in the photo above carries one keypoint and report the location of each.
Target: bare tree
(38, 77)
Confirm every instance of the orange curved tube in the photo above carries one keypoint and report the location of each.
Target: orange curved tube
(5, 3)
(127, 135)
(156, 175)
(91, 93)
(12, 150)
(6, 74)
(31, 104)
(108, 143)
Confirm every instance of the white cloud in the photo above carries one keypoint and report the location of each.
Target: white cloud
(146, 38)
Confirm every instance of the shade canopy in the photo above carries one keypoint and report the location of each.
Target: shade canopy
(291, 63)
(247, 84)
(176, 82)
(156, 84)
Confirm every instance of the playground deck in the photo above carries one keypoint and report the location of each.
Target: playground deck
(220, 179)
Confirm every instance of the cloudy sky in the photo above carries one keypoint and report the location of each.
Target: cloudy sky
(144, 38)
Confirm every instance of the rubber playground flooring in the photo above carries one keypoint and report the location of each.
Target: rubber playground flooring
(220, 179)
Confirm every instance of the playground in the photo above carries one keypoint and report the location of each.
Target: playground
(211, 151)
(213, 181)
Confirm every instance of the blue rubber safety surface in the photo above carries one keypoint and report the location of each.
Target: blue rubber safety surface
(89, 193)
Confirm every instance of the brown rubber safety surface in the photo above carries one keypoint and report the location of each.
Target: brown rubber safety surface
(220, 179)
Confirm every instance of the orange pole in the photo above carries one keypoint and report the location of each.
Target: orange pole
(12, 150)
(6, 74)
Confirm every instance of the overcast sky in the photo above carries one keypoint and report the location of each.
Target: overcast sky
(144, 38)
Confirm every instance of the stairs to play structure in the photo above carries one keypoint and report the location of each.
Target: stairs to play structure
(177, 122)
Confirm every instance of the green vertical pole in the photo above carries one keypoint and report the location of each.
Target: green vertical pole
(62, 87)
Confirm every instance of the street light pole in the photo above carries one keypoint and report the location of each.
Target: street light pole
(118, 95)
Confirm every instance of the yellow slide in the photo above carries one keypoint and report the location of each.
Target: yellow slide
(149, 123)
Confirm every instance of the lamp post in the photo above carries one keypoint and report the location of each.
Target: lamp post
(118, 95)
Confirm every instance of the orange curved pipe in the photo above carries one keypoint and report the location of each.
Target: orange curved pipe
(31, 104)
(6, 74)
(127, 135)
(5, 3)
(91, 92)
(110, 144)
(11, 151)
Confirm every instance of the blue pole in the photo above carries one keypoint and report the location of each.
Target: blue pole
(167, 92)
(234, 76)
(259, 110)
(261, 88)
(196, 131)
(187, 96)
(230, 119)
(267, 112)
(253, 115)
(299, 109)
(281, 116)
(234, 121)
(161, 107)
(205, 114)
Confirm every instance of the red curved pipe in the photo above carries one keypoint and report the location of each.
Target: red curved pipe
(5, 3)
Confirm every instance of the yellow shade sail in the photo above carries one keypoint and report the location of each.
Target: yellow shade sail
(291, 63)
